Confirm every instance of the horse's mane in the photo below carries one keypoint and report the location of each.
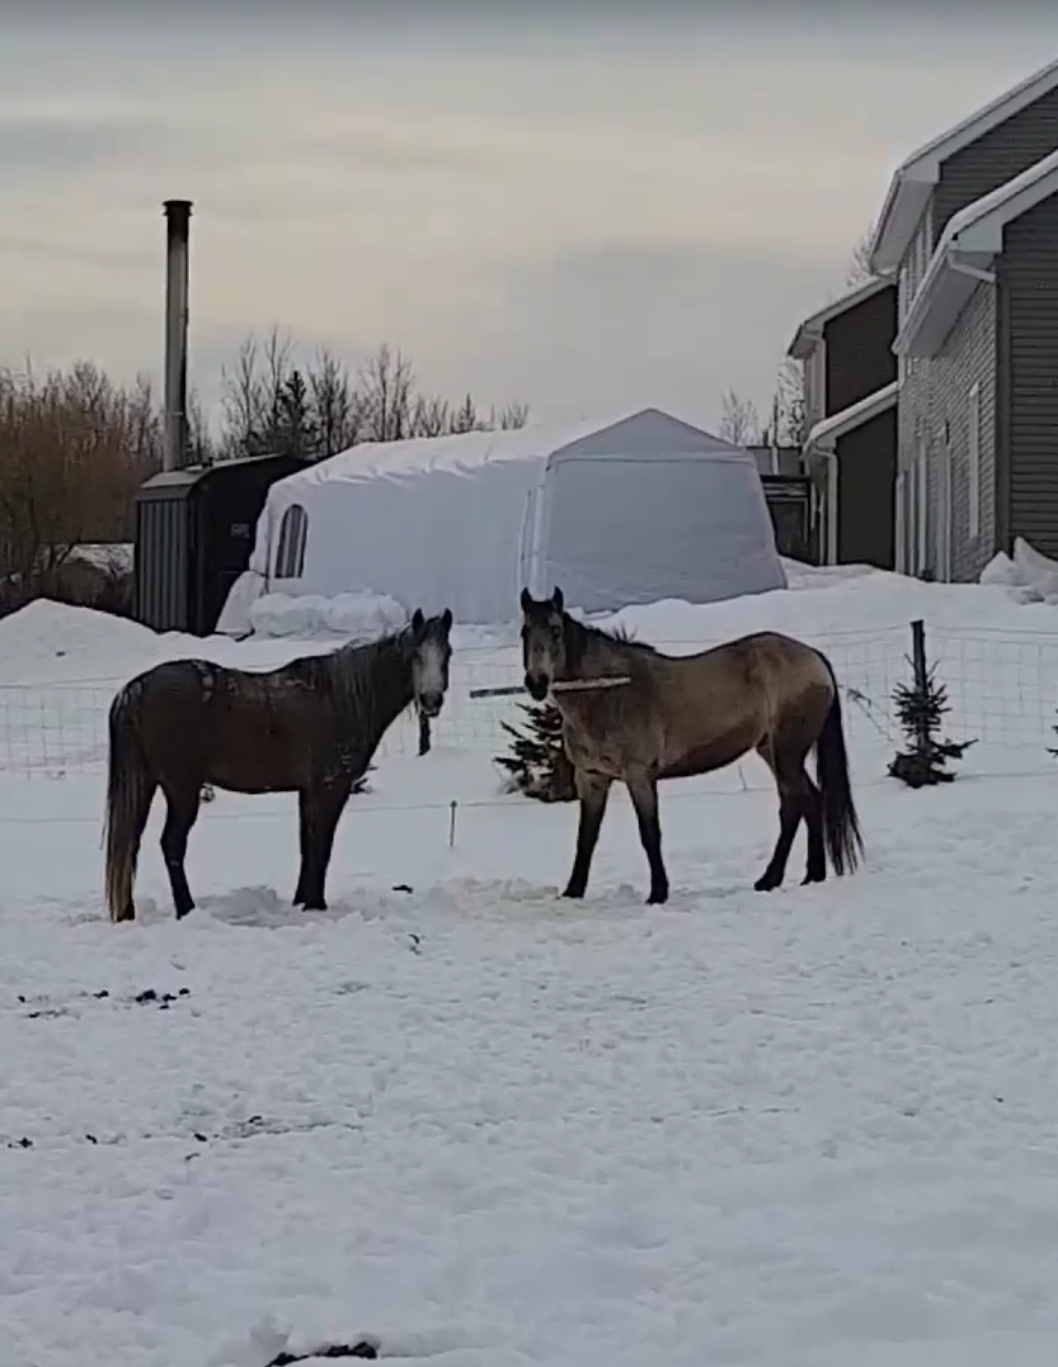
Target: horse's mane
(351, 677)
(619, 636)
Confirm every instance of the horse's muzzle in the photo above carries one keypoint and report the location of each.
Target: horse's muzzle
(536, 685)
(430, 704)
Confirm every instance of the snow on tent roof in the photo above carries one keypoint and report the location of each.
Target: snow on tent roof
(467, 451)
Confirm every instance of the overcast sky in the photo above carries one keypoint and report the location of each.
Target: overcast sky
(584, 215)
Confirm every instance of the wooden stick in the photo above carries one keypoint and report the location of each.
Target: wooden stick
(559, 686)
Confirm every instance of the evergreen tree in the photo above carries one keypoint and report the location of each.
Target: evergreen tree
(920, 709)
(296, 428)
(538, 763)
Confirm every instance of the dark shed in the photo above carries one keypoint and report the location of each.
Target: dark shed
(194, 534)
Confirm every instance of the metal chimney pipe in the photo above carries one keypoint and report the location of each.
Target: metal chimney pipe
(178, 220)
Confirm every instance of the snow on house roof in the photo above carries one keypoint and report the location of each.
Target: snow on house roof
(913, 182)
(467, 451)
(808, 334)
(828, 430)
(972, 237)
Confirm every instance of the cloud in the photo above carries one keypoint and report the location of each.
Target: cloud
(41, 146)
(528, 211)
(631, 323)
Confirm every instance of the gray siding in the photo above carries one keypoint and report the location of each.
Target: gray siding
(967, 357)
(995, 158)
(1028, 274)
(936, 392)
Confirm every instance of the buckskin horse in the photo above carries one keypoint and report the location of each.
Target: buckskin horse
(678, 716)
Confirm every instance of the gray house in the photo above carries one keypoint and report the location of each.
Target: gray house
(846, 352)
(969, 227)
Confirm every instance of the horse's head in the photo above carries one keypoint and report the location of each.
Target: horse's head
(543, 642)
(429, 652)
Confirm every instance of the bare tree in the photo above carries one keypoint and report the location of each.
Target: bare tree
(789, 414)
(338, 408)
(74, 447)
(269, 406)
(738, 419)
(859, 271)
(511, 416)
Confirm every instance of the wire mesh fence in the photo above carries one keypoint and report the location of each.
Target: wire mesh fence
(1002, 688)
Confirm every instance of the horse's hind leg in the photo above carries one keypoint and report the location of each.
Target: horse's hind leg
(816, 868)
(644, 794)
(593, 791)
(786, 761)
(183, 803)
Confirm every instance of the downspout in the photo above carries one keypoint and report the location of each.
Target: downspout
(830, 499)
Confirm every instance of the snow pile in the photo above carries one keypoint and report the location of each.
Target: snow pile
(358, 616)
(846, 599)
(46, 639)
(1028, 576)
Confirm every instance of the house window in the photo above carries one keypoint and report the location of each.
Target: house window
(973, 464)
(290, 556)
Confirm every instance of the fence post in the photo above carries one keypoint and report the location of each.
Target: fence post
(921, 675)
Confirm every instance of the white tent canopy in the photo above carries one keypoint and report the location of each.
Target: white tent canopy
(632, 511)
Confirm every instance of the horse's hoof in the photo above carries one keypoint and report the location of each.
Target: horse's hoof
(575, 893)
(765, 884)
(656, 898)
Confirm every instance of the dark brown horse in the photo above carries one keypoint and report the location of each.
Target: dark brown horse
(683, 715)
(310, 727)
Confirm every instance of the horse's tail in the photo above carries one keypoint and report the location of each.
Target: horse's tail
(130, 787)
(841, 825)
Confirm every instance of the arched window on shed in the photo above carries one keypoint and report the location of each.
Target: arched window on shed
(290, 555)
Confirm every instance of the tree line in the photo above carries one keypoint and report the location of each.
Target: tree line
(75, 445)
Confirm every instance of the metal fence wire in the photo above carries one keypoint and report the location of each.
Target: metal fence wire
(1002, 689)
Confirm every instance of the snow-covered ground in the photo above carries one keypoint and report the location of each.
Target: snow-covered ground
(486, 1128)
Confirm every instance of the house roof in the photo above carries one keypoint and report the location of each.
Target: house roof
(827, 431)
(913, 182)
(810, 332)
(971, 240)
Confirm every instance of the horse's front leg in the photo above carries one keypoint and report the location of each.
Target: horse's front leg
(643, 790)
(325, 804)
(593, 790)
(303, 847)
(424, 734)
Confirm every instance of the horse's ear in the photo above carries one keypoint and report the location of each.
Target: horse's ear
(446, 620)
(417, 621)
(558, 598)
(526, 600)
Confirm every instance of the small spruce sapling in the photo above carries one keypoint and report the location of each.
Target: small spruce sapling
(920, 709)
(538, 763)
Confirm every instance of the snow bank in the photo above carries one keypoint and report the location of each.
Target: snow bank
(44, 638)
(358, 616)
(1028, 576)
(849, 598)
